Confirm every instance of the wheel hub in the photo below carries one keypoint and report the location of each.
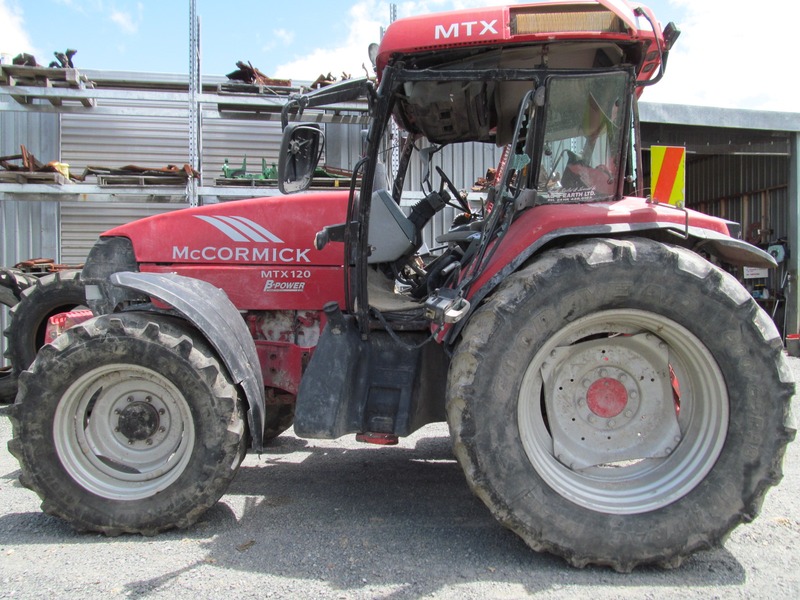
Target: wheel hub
(610, 400)
(607, 397)
(138, 421)
(123, 431)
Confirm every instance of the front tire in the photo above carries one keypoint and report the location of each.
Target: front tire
(128, 423)
(620, 403)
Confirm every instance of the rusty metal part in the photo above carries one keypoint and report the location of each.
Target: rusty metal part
(64, 59)
(247, 73)
(172, 170)
(41, 266)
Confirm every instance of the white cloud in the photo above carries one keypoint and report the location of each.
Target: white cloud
(127, 21)
(280, 37)
(84, 7)
(13, 37)
(733, 54)
(287, 37)
(364, 28)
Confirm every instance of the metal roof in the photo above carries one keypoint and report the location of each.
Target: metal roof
(710, 116)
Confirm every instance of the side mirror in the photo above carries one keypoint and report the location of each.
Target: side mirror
(301, 149)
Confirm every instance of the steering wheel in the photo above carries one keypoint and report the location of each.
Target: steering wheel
(453, 190)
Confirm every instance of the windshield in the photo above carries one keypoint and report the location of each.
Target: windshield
(584, 130)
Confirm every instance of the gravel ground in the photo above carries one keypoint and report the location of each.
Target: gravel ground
(338, 519)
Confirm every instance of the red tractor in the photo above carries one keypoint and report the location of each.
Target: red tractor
(613, 394)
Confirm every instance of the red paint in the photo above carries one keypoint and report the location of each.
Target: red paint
(224, 233)
(490, 26)
(381, 439)
(282, 364)
(607, 398)
(57, 324)
(537, 222)
(247, 286)
(259, 251)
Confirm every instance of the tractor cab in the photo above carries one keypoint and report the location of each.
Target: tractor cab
(560, 105)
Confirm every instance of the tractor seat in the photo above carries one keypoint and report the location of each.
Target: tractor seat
(391, 235)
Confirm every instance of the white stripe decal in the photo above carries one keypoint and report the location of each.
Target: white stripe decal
(243, 229)
(240, 229)
(267, 234)
(224, 228)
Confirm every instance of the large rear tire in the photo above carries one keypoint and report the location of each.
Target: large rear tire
(12, 282)
(50, 295)
(128, 423)
(8, 385)
(620, 403)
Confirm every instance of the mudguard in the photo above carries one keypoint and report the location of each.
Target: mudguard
(215, 316)
(545, 224)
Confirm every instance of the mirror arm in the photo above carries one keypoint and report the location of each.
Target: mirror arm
(344, 91)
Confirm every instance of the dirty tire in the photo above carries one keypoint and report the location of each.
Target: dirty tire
(278, 418)
(7, 297)
(8, 385)
(127, 423)
(539, 372)
(12, 281)
(52, 294)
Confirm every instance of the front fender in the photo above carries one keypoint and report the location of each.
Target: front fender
(215, 316)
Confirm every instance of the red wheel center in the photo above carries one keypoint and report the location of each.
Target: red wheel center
(607, 397)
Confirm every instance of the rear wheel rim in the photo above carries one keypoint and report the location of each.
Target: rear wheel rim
(124, 432)
(637, 483)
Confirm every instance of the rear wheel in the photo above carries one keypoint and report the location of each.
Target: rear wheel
(50, 295)
(8, 385)
(12, 281)
(128, 423)
(620, 403)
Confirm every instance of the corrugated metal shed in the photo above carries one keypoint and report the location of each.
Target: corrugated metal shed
(111, 140)
(82, 223)
(39, 132)
(29, 231)
(236, 139)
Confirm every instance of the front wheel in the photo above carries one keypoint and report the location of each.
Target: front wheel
(127, 423)
(620, 403)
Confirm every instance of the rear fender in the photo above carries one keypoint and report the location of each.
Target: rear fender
(218, 320)
(545, 225)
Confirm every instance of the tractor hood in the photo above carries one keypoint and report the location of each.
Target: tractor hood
(263, 231)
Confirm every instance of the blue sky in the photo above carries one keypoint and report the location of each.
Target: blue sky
(721, 58)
